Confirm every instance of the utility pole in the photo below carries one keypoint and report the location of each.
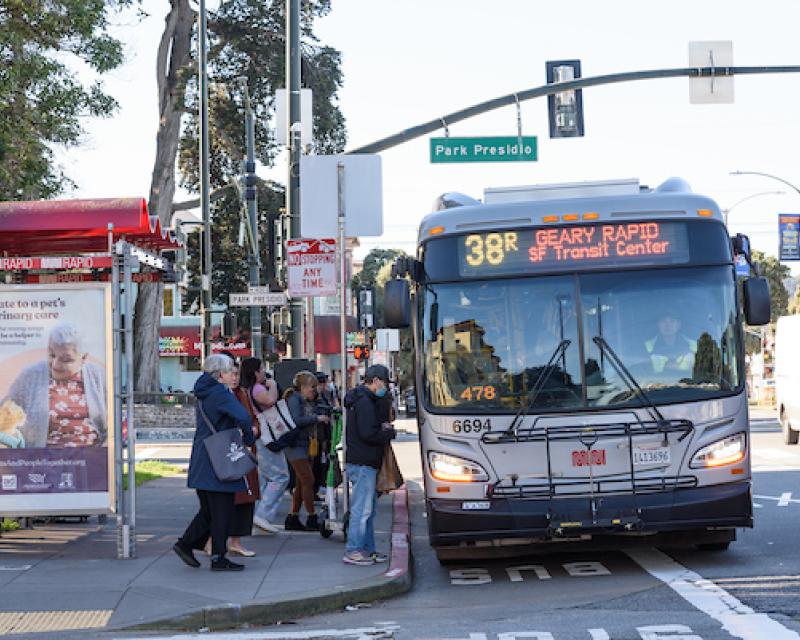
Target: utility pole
(250, 196)
(205, 200)
(293, 63)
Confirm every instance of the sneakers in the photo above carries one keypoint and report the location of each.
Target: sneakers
(265, 525)
(293, 523)
(378, 557)
(358, 558)
(312, 523)
(221, 563)
(185, 554)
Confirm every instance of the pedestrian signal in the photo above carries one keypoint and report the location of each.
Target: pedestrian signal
(361, 352)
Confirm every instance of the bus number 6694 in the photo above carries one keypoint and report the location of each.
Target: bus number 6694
(471, 425)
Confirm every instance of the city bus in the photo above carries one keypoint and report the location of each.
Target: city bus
(579, 366)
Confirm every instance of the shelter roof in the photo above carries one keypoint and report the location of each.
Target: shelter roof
(48, 227)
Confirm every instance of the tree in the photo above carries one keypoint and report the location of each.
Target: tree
(246, 39)
(42, 98)
(173, 70)
(373, 263)
(775, 273)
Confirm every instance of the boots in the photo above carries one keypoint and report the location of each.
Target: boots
(312, 524)
(293, 523)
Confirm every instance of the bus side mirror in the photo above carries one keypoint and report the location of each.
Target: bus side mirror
(756, 301)
(397, 304)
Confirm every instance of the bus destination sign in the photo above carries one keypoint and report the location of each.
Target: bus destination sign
(571, 247)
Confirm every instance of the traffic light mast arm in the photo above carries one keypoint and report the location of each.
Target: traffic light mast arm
(557, 87)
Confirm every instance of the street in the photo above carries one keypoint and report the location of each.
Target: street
(750, 591)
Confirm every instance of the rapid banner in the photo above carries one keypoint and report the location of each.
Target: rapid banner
(789, 236)
(56, 399)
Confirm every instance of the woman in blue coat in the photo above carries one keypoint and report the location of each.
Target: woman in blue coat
(215, 516)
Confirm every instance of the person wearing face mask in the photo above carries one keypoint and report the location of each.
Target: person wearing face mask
(366, 441)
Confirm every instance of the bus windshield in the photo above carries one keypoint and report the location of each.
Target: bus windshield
(488, 342)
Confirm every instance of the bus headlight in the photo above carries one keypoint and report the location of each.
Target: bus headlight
(455, 469)
(726, 451)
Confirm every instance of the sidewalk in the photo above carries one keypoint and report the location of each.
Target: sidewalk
(60, 577)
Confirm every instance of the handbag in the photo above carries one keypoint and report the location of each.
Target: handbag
(229, 458)
(313, 444)
(389, 476)
(276, 421)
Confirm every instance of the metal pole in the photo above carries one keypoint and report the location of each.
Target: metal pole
(293, 62)
(122, 541)
(557, 87)
(311, 347)
(205, 201)
(342, 326)
(129, 411)
(254, 259)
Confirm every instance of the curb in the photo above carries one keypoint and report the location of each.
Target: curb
(396, 580)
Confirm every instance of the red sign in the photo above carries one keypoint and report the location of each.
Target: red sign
(311, 266)
(185, 341)
(61, 262)
(585, 458)
(52, 278)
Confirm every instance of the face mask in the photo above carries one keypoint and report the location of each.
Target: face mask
(381, 392)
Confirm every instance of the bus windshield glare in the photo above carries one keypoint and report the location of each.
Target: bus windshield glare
(487, 342)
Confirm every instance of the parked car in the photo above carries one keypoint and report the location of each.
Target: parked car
(411, 402)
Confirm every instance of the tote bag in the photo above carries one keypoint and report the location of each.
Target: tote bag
(276, 421)
(230, 459)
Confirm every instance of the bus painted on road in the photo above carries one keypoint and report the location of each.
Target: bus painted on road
(579, 366)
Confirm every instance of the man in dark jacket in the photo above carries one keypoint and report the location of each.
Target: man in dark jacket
(366, 439)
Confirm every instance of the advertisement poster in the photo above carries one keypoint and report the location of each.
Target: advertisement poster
(788, 229)
(56, 399)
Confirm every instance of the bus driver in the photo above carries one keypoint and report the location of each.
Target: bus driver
(670, 350)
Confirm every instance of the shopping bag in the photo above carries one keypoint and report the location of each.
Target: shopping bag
(276, 421)
(389, 476)
(229, 457)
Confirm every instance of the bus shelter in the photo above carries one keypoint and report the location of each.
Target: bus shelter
(67, 275)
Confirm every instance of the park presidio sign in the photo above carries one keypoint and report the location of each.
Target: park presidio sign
(484, 149)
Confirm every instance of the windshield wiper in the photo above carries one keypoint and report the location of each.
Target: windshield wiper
(541, 380)
(627, 377)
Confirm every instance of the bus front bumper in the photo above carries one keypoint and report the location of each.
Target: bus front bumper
(719, 506)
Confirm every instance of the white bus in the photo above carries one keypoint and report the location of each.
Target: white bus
(579, 366)
(787, 376)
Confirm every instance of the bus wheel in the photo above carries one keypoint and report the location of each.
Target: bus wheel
(790, 436)
(714, 546)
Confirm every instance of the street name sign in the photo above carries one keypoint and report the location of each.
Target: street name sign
(251, 288)
(250, 299)
(484, 149)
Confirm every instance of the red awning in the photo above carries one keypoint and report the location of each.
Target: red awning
(78, 226)
(326, 333)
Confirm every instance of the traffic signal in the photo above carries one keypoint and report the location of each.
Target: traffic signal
(361, 352)
(230, 325)
(565, 108)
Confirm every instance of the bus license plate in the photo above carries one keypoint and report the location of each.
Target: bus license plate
(650, 455)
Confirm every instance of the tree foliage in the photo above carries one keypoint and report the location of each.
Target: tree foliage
(775, 273)
(404, 359)
(42, 98)
(373, 263)
(247, 42)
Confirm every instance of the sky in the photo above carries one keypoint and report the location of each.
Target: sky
(407, 62)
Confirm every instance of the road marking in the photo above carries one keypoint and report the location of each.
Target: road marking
(361, 633)
(783, 500)
(599, 634)
(737, 619)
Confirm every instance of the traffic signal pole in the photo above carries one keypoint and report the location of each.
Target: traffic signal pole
(557, 87)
